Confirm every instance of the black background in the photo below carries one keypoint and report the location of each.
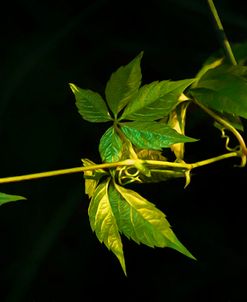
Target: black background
(48, 252)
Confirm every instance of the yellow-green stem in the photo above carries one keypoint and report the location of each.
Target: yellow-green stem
(225, 124)
(220, 28)
(127, 162)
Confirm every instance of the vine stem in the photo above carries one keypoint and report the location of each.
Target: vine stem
(228, 126)
(223, 37)
(127, 162)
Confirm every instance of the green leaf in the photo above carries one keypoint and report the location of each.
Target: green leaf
(110, 146)
(123, 84)
(4, 198)
(239, 51)
(224, 89)
(232, 119)
(91, 177)
(210, 64)
(103, 222)
(153, 135)
(218, 58)
(155, 100)
(90, 105)
(139, 220)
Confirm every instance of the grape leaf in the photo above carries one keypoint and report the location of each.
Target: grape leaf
(123, 84)
(110, 146)
(103, 222)
(152, 135)
(224, 89)
(155, 100)
(90, 105)
(4, 198)
(141, 221)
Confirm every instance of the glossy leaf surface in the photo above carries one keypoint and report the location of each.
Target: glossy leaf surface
(152, 135)
(110, 146)
(90, 105)
(155, 100)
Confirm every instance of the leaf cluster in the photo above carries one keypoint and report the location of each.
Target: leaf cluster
(143, 123)
(145, 120)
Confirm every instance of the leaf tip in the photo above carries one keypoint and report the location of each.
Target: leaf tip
(141, 54)
(6, 198)
(73, 87)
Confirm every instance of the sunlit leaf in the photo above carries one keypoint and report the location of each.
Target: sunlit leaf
(110, 146)
(91, 177)
(155, 100)
(141, 221)
(224, 89)
(123, 84)
(90, 105)
(152, 135)
(5, 198)
(177, 121)
(103, 222)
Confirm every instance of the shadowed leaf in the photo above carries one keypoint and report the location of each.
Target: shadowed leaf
(224, 89)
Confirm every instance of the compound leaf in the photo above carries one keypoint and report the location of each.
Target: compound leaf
(123, 84)
(103, 222)
(141, 221)
(155, 100)
(4, 198)
(90, 105)
(110, 146)
(224, 89)
(152, 135)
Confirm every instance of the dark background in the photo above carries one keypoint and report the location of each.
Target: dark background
(48, 252)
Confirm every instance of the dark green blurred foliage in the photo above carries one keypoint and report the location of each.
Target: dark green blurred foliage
(48, 252)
